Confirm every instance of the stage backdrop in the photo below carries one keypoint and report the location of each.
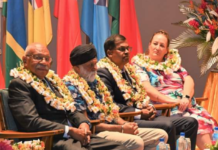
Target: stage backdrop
(152, 16)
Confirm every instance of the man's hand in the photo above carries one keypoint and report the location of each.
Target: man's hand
(153, 116)
(130, 128)
(81, 134)
(152, 111)
(148, 113)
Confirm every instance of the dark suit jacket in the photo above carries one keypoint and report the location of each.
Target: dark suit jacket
(111, 84)
(32, 113)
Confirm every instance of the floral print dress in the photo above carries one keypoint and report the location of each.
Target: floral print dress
(172, 86)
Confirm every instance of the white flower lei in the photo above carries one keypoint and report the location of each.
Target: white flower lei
(65, 103)
(172, 62)
(140, 97)
(29, 145)
(108, 110)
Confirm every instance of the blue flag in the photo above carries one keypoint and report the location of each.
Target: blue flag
(95, 23)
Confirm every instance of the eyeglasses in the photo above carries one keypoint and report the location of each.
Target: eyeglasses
(123, 48)
(38, 57)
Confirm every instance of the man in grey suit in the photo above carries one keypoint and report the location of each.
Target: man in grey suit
(39, 101)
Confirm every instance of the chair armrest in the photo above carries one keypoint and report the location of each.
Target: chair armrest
(16, 134)
(94, 123)
(129, 116)
(200, 99)
(165, 106)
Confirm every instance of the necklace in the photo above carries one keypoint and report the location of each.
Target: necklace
(171, 63)
(64, 103)
(138, 97)
(108, 110)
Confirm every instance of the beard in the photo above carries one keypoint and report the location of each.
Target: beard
(88, 76)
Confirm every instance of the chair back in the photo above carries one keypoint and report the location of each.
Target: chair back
(6, 119)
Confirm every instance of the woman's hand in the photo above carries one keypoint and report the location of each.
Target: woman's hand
(184, 103)
(130, 128)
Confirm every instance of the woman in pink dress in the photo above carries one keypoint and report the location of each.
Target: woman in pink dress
(166, 81)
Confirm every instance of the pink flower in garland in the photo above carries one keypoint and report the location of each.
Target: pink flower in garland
(5, 145)
(212, 30)
(194, 23)
(203, 5)
(216, 10)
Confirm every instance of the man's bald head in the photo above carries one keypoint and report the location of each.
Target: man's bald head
(34, 46)
(37, 59)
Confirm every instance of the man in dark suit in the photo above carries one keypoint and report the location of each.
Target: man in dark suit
(40, 101)
(115, 71)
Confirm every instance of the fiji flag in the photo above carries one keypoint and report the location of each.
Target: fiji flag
(95, 23)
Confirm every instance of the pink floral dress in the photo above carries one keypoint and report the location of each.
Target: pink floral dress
(172, 86)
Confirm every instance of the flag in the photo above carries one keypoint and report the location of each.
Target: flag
(13, 10)
(114, 11)
(129, 26)
(39, 22)
(2, 81)
(68, 33)
(1, 2)
(95, 23)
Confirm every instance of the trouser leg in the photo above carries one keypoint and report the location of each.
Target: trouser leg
(164, 123)
(188, 125)
(131, 142)
(151, 137)
(96, 143)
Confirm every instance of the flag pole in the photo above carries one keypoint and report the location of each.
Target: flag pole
(87, 40)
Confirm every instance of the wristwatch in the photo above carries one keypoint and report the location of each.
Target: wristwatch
(186, 96)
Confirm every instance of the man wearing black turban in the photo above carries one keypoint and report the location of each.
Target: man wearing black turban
(91, 96)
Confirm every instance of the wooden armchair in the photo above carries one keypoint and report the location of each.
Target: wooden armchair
(166, 108)
(200, 99)
(129, 116)
(8, 129)
(94, 123)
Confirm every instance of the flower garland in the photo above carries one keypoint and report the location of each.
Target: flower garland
(27, 145)
(140, 97)
(172, 62)
(108, 110)
(65, 103)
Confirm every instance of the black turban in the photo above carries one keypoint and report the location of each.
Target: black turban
(82, 54)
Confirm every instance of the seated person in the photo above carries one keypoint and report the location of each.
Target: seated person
(166, 81)
(129, 94)
(40, 101)
(93, 99)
